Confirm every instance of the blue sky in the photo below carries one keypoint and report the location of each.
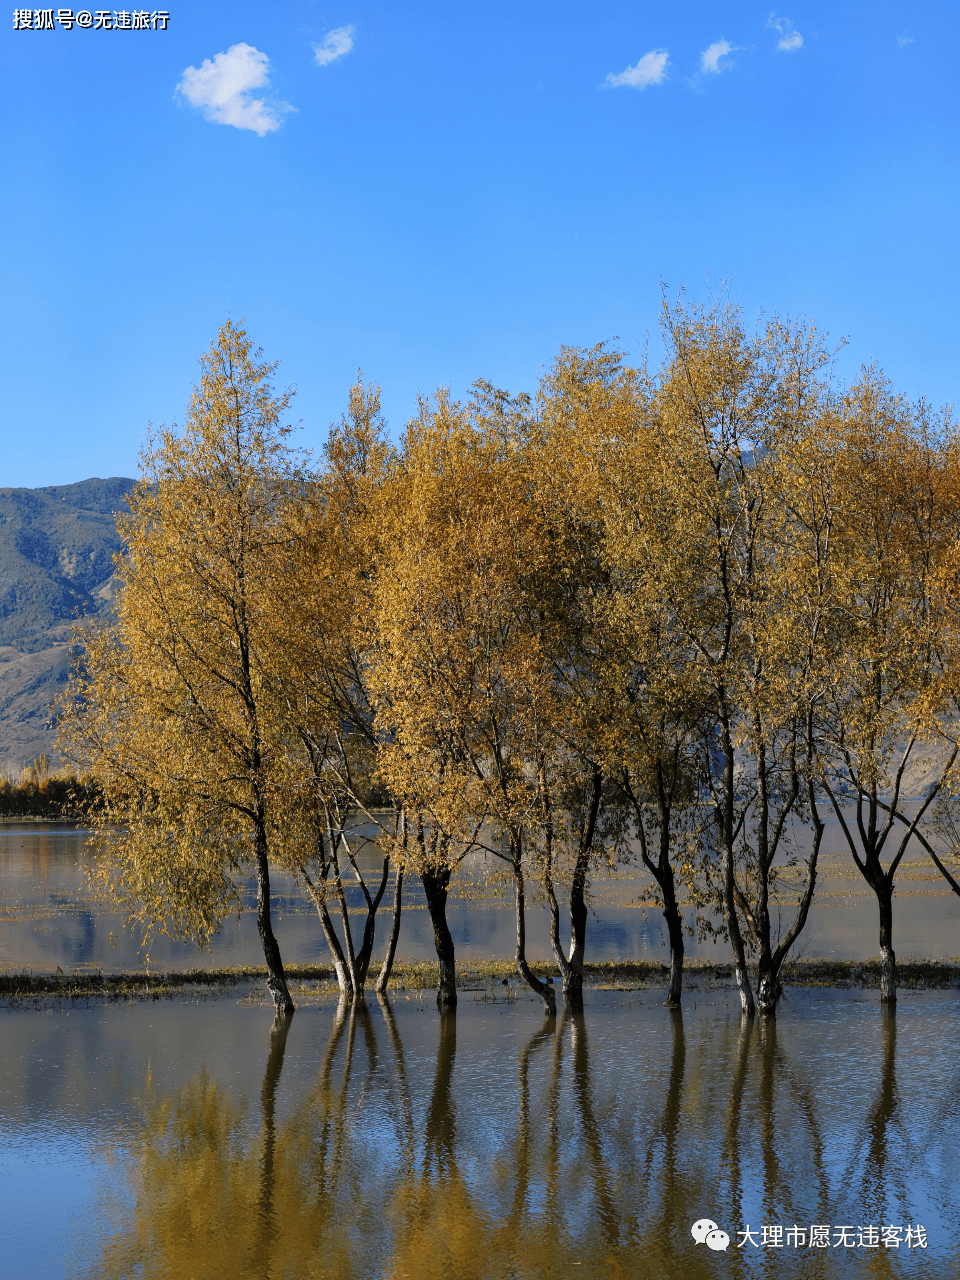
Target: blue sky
(454, 192)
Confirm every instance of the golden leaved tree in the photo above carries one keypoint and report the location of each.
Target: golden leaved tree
(462, 675)
(708, 521)
(438, 647)
(175, 708)
(889, 749)
(589, 404)
(325, 646)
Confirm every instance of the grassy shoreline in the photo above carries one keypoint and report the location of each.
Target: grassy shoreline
(43, 820)
(623, 975)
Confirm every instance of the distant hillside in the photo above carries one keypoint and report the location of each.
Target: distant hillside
(56, 566)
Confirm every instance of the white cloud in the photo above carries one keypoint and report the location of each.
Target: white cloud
(335, 44)
(904, 40)
(651, 69)
(221, 87)
(790, 38)
(710, 58)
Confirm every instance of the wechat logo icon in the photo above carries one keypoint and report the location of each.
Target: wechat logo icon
(705, 1231)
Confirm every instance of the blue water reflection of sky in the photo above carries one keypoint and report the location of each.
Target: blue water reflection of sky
(604, 1137)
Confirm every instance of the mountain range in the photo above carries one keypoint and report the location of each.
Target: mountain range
(57, 546)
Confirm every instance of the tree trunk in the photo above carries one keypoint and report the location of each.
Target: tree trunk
(276, 979)
(747, 1006)
(356, 986)
(435, 884)
(766, 978)
(888, 960)
(661, 869)
(342, 970)
(555, 943)
(370, 924)
(543, 989)
(775, 990)
(387, 966)
(760, 921)
(572, 983)
(767, 994)
(671, 913)
(573, 970)
(571, 967)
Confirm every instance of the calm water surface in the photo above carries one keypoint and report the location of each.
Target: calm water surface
(194, 1140)
(49, 917)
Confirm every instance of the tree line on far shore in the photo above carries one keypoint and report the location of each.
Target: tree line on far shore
(673, 616)
(38, 790)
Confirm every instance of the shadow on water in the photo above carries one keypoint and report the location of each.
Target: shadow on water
(403, 1153)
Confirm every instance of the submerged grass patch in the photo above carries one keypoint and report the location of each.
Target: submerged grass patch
(625, 975)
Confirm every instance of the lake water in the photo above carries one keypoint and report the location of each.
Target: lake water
(186, 1140)
(190, 1141)
(49, 917)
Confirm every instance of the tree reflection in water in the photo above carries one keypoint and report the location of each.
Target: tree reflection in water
(268, 1104)
(544, 1165)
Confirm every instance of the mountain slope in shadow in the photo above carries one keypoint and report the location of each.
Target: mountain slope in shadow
(56, 567)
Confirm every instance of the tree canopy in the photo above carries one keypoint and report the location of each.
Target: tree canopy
(667, 616)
